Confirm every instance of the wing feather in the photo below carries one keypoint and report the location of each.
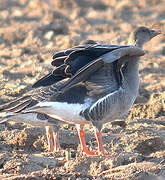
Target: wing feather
(68, 62)
(76, 65)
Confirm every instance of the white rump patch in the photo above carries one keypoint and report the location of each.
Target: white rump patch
(61, 111)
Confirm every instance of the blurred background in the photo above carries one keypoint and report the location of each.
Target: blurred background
(31, 31)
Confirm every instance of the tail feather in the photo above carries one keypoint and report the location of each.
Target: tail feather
(16, 105)
(5, 119)
(19, 107)
(34, 119)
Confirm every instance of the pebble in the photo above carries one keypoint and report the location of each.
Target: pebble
(17, 13)
(49, 35)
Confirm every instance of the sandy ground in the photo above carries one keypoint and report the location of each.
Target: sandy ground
(30, 32)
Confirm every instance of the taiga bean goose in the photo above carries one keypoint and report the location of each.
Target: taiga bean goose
(91, 83)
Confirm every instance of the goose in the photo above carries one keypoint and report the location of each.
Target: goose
(91, 84)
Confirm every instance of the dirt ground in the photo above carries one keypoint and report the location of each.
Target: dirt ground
(30, 32)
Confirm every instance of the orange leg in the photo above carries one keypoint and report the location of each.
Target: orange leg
(99, 142)
(84, 149)
(52, 138)
(56, 141)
